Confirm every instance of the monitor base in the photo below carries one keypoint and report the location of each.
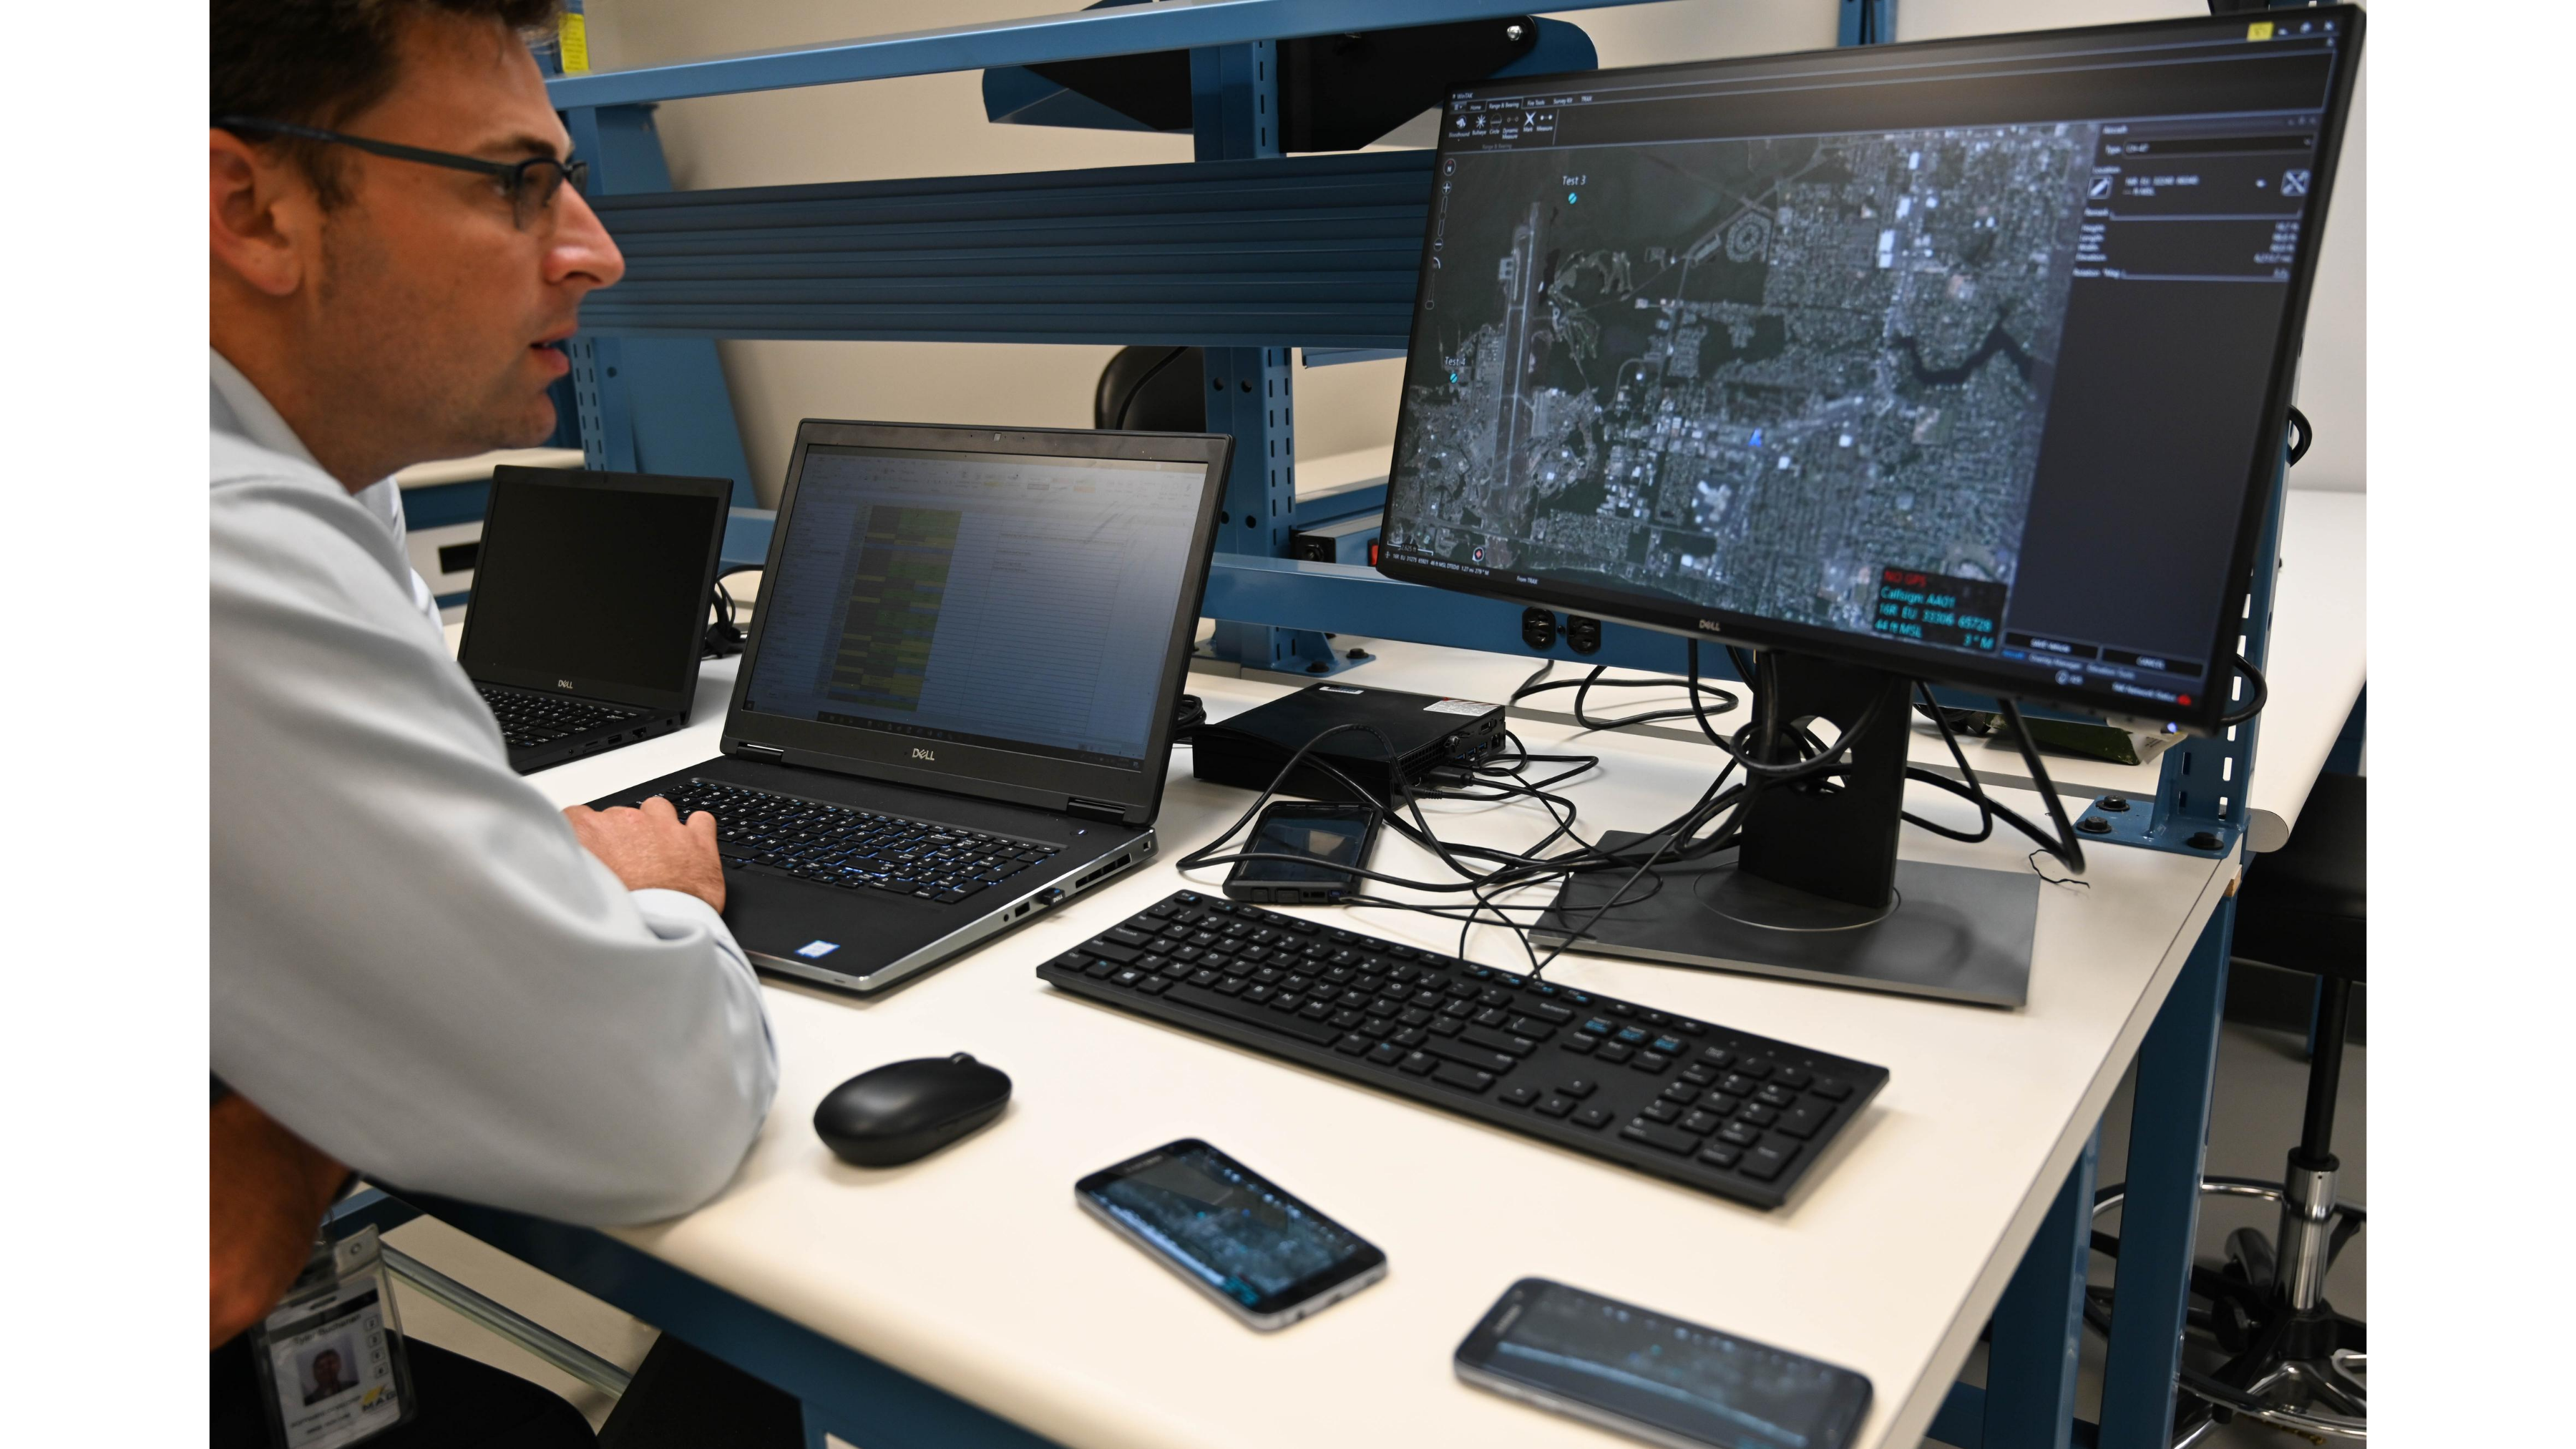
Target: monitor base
(1955, 933)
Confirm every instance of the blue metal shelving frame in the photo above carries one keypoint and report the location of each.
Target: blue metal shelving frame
(1248, 254)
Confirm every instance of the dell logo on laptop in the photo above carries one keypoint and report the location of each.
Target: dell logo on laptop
(563, 684)
(922, 754)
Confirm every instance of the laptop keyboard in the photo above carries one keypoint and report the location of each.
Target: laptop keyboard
(842, 845)
(528, 720)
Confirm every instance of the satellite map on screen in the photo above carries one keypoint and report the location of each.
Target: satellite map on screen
(1802, 379)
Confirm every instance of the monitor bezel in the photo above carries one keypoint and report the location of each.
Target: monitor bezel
(1046, 781)
(2205, 715)
(506, 480)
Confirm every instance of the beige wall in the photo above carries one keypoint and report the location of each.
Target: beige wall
(934, 126)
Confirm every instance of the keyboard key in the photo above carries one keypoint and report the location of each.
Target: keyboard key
(1611, 1051)
(1418, 1063)
(1792, 1076)
(1776, 1095)
(1592, 1117)
(1680, 1144)
(1353, 1045)
(1768, 1161)
(1664, 1111)
(1832, 1089)
(1577, 1043)
(1531, 1027)
(1755, 1067)
(1740, 1135)
(1651, 1063)
(1547, 1011)
(1758, 1115)
(1718, 1154)
(1718, 1057)
(1477, 1057)
(1579, 1088)
(1702, 1123)
(1805, 1122)
(1518, 1046)
(1555, 1104)
(1520, 1096)
(1451, 1074)
(1386, 1054)
(1682, 1092)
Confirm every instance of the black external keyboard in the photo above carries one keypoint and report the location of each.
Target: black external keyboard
(856, 849)
(528, 720)
(1716, 1109)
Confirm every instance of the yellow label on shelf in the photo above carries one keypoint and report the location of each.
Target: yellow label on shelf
(2258, 30)
(574, 42)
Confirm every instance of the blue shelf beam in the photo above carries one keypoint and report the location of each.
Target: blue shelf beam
(1037, 40)
(1304, 251)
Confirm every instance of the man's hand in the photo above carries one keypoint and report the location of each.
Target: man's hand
(650, 849)
(269, 1189)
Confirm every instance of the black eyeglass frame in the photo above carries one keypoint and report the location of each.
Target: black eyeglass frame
(512, 175)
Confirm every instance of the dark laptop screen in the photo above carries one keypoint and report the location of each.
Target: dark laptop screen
(591, 588)
(1015, 602)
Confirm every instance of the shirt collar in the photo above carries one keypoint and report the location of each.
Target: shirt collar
(239, 409)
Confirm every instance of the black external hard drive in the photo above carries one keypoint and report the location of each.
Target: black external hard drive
(1408, 736)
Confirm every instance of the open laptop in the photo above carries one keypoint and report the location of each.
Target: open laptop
(955, 708)
(589, 608)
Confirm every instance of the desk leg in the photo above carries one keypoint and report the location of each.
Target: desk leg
(2168, 1140)
(2038, 1328)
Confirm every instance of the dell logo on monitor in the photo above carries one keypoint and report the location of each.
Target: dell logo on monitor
(563, 684)
(922, 754)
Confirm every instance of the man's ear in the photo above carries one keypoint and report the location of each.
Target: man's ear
(265, 219)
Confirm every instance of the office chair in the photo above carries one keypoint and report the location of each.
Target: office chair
(2292, 1361)
(1152, 390)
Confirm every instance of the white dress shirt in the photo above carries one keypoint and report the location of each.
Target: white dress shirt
(416, 966)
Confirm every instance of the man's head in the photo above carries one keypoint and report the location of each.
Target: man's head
(326, 1367)
(392, 311)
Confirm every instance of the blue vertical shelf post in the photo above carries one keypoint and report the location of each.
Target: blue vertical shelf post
(648, 404)
(1234, 109)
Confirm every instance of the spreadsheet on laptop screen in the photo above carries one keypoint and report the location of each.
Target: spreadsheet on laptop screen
(1016, 602)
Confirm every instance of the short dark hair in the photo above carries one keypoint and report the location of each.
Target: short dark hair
(318, 62)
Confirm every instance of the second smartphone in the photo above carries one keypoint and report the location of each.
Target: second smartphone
(1323, 836)
(1656, 1377)
(1232, 1233)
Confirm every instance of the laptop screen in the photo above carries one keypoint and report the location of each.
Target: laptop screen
(1009, 601)
(591, 587)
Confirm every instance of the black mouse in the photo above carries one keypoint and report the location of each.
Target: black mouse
(903, 1110)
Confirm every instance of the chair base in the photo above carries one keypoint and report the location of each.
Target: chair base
(2303, 1369)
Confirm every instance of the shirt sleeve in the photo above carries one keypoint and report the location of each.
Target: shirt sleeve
(416, 966)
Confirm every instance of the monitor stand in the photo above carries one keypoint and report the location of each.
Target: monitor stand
(1817, 893)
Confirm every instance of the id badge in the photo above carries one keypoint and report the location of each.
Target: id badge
(330, 1354)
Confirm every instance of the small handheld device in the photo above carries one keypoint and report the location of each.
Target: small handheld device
(1231, 1233)
(1655, 1377)
(1327, 835)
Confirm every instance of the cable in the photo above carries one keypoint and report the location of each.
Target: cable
(1583, 688)
(2068, 850)
(2257, 694)
(725, 637)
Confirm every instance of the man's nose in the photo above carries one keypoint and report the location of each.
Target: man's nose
(582, 253)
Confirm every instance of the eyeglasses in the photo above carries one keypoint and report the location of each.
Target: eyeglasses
(530, 185)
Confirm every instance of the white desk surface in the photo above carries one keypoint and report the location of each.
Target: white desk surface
(973, 1270)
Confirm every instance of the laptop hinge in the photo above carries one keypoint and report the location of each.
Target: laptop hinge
(1075, 805)
(759, 752)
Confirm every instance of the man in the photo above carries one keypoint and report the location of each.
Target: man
(420, 969)
(326, 1378)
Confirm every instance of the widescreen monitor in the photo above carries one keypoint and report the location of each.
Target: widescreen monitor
(1967, 360)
